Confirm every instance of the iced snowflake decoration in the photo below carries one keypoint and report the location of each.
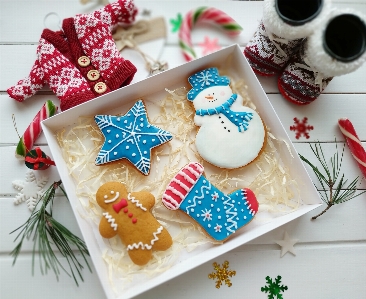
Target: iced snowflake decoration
(205, 78)
(206, 214)
(215, 196)
(218, 228)
(30, 190)
(274, 288)
(222, 274)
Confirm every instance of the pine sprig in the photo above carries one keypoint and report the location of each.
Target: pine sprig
(334, 187)
(47, 231)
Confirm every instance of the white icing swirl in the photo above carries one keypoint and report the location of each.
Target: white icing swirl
(111, 220)
(146, 246)
(136, 202)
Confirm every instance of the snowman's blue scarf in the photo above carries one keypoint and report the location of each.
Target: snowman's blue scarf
(240, 119)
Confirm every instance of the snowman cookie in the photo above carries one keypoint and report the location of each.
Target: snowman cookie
(219, 214)
(128, 215)
(230, 134)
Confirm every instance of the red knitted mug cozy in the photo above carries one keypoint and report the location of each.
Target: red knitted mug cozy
(268, 53)
(81, 61)
(336, 48)
(284, 25)
(300, 82)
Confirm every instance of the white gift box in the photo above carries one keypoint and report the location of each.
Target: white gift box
(231, 58)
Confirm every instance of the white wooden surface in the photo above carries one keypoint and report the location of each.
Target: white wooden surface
(331, 252)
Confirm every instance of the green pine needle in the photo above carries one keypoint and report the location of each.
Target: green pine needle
(334, 187)
(46, 231)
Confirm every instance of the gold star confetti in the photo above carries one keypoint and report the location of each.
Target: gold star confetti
(222, 274)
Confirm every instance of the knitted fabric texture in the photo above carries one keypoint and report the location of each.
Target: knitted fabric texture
(300, 82)
(275, 41)
(312, 68)
(267, 53)
(279, 27)
(317, 55)
(80, 62)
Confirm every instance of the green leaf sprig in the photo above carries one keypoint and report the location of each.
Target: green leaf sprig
(47, 231)
(334, 187)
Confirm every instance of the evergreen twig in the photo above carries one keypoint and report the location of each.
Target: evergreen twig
(47, 231)
(334, 187)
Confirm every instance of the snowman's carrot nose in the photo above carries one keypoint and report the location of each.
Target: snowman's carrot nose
(209, 97)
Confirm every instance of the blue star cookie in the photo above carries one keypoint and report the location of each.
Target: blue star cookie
(130, 136)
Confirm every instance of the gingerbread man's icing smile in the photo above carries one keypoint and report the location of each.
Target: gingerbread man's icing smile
(112, 199)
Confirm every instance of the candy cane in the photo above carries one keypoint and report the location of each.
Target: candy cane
(200, 15)
(354, 143)
(34, 129)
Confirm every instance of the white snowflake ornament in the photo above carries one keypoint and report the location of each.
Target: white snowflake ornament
(30, 190)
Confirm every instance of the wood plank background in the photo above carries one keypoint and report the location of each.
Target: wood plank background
(331, 252)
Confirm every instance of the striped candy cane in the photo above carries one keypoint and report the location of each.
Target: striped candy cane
(200, 15)
(354, 143)
(34, 129)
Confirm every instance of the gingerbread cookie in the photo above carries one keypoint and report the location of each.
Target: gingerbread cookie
(130, 137)
(128, 215)
(219, 214)
(230, 134)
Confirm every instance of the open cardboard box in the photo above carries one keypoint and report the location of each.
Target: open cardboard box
(233, 59)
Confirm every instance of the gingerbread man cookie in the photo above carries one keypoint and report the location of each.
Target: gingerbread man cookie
(128, 215)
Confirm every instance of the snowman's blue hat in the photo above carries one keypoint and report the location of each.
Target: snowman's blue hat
(205, 79)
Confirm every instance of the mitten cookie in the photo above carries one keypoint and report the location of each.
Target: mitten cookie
(219, 214)
(128, 215)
